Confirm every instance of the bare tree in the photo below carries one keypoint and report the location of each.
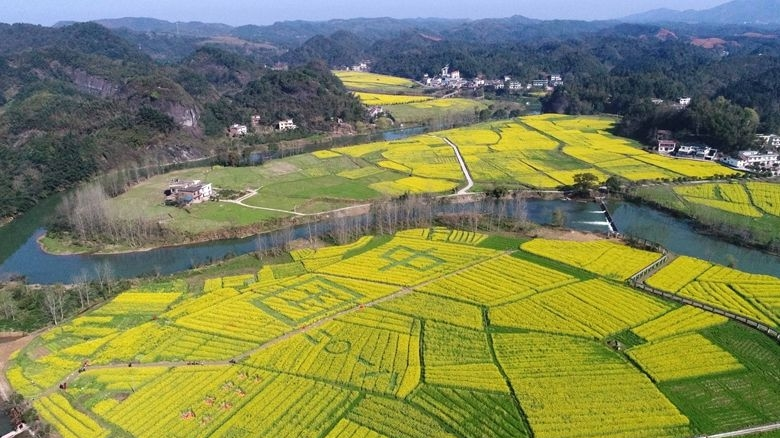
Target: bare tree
(8, 305)
(81, 286)
(54, 303)
(105, 276)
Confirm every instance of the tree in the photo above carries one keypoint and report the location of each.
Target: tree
(8, 305)
(81, 286)
(615, 183)
(54, 303)
(583, 182)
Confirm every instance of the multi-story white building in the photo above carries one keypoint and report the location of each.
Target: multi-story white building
(753, 159)
(286, 125)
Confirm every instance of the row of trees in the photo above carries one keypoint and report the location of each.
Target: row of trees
(87, 216)
(27, 308)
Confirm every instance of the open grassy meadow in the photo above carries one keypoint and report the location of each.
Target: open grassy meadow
(427, 333)
(303, 184)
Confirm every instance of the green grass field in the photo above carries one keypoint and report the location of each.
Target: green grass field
(732, 400)
(429, 333)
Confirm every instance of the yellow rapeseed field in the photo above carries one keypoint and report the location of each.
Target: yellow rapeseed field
(428, 333)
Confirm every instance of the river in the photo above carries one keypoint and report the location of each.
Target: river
(26, 258)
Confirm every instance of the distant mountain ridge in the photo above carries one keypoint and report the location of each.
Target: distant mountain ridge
(733, 12)
(146, 24)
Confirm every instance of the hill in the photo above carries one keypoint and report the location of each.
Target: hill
(734, 12)
(80, 99)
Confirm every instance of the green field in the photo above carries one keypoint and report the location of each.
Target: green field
(428, 333)
(301, 184)
(727, 208)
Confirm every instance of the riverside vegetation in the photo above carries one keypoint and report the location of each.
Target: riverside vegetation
(536, 152)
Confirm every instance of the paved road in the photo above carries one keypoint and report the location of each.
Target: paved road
(469, 181)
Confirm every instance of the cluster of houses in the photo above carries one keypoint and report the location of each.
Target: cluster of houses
(454, 80)
(679, 103)
(754, 160)
(667, 145)
(764, 160)
(185, 192)
(238, 130)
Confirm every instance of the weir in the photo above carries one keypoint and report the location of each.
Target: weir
(611, 222)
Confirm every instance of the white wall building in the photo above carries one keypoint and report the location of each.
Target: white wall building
(286, 125)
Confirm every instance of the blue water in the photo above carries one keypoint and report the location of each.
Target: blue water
(677, 235)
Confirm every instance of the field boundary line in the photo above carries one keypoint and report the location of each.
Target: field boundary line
(743, 432)
(637, 281)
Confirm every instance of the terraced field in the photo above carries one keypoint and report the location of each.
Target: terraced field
(431, 333)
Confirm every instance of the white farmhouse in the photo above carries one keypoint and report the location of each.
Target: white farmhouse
(286, 125)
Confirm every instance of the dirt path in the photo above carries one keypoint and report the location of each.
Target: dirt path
(6, 349)
(240, 201)
(747, 431)
(469, 181)
(268, 344)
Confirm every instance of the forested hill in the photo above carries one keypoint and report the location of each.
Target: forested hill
(80, 99)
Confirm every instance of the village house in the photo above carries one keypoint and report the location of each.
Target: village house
(362, 66)
(666, 147)
(375, 111)
(539, 83)
(237, 130)
(256, 121)
(698, 151)
(684, 101)
(768, 141)
(754, 160)
(555, 80)
(515, 86)
(182, 192)
(285, 125)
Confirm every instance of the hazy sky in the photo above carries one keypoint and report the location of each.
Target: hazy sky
(237, 12)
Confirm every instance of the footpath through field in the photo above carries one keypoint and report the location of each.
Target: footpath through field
(469, 181)
(747, 431)
(637, 281)
(240, 201)
(398, 294)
